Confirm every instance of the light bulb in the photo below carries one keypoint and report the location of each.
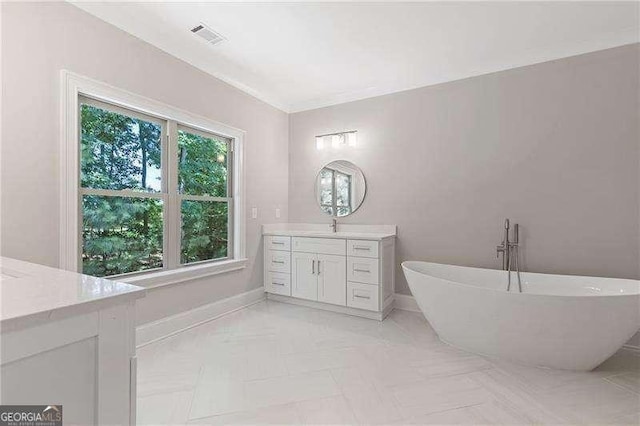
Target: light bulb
(336, 140)
(352, 139)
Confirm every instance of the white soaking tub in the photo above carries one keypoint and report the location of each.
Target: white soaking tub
(558, 321)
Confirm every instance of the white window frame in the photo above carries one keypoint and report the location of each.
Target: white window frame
(72, 87)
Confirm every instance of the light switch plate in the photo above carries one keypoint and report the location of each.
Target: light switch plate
(277, 213)
(254, 213)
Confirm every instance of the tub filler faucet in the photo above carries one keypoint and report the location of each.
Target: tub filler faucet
(510, 254)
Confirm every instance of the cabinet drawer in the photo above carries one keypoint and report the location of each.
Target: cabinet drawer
(362, 270)
(278, 261)
(319, 245)
(278, 283)
(362, 248)
(274, 242)
(362, 296)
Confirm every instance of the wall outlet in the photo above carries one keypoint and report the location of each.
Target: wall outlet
(254, 213)
(278, 213)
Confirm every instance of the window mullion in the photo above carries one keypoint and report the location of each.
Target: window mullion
(172, 219)
(124, 193)
(205, 198)
(231, 202)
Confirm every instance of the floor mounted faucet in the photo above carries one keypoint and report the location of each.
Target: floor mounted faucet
(510, 253)
(504, 247)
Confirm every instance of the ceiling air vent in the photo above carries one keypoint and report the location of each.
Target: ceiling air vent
(208, 34)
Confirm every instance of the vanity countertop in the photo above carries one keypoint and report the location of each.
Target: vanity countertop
(345, 231)
(33, 293)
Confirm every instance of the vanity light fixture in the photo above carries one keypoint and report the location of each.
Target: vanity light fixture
(337, 140)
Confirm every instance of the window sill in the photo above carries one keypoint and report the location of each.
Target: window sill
(187, 273)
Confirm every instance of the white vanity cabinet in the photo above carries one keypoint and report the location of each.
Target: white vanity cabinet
(349, 272)
(319, 270)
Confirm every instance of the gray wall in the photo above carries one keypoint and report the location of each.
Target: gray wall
(40, 39)
(552, 146)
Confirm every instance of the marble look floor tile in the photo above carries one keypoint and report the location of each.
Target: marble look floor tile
(212, 398)
(369, 405)
(391, 374)
(167, 370)
(490, 413)
(501, 413)
(630, 419)
(439, 394)
(164, 409)
(593, 402)
(456, 365)
(276, 415)
(414, 325)
(274, 363)
(542, 380)
(295, 388)
(458, 416)
(409, 354)
(334, 410)
(336, 339)
(629, 381)
(296, 342)
(163, 380)
(322, 360)
(512, 394)
(264, 363)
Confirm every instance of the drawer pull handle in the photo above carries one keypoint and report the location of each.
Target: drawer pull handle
(362, 270)
(275, 283)
(361, 297)
(278, 243)
(281, 262)
(362, 248)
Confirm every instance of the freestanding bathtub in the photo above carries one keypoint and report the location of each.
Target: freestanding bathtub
(558, 321)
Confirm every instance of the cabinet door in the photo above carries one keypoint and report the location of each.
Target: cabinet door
(332, 279)
(304, 278)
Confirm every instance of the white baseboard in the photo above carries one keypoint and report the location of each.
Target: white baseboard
(168, 326)
(405, 302)
(379, 316)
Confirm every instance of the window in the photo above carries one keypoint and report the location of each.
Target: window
(155, 194)
(204, 188)
(335, 192)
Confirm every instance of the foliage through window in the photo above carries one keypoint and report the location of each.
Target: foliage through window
(136, 215)
(335, 192)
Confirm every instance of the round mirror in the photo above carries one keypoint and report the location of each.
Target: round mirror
(340, 188)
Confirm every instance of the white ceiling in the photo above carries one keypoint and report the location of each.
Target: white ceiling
(299, 56)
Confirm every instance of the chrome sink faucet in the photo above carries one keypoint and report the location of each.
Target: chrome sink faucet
(510, 253)
(334, 225)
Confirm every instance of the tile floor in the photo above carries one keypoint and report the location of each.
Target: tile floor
(274, 363)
